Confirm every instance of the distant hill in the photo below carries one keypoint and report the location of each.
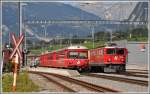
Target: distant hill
(46, 11)
(56, 11)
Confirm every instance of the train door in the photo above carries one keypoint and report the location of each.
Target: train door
(50, 59)
(61, 59)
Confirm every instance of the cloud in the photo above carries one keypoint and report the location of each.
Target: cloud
(31, 32)
(27, 29)
(5, 28)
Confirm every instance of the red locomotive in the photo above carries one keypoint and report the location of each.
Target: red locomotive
(72, 57)
(108, 59)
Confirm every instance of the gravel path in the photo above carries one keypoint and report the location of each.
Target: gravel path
(44, 84)
(75, 87)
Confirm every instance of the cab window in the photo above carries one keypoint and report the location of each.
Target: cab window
(78, 55)
(83, 55)
(110, 51)
(120, 51)
(73, 55)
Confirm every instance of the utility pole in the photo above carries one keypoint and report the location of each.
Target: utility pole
(25, 41)
(45, 30)
(93, 31)
(70, 39)
(1, 46)
(110, 36)
(20, 29)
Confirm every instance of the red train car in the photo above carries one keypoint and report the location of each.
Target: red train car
(72, 57)
(108, 59)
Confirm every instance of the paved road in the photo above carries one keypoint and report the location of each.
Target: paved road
(135, 55)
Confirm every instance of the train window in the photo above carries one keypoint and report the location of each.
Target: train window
(110, 51)
(73, 55)
(120, 51)
(83, 55)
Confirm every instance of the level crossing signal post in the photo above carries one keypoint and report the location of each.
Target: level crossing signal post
(16, 56)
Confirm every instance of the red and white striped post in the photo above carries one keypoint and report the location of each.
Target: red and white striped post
(16, 62)
(17, 53)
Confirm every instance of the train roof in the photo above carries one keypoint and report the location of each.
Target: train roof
(113, 47)
(70, 47)
(77, 47)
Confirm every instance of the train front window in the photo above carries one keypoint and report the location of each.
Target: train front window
(83, 55)
(110, 51)
(73, 55)
(120, 51)
(78, 55)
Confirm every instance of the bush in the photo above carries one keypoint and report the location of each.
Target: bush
(24, 84)
(8, 67)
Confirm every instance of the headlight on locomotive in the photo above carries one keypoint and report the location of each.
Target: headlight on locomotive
(108, 60)
(78, 62)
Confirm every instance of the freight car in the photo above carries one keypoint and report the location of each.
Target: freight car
(75, 57)
(108, 59)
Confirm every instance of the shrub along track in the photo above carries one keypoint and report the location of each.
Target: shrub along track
(89, 86)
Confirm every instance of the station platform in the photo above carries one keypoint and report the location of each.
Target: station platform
(65, 72)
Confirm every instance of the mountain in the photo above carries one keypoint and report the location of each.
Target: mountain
(56, 11)
(117, 10)
(46, 11)
(63, 11)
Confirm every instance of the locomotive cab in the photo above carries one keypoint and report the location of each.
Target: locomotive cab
(115, 58)
(78, 57)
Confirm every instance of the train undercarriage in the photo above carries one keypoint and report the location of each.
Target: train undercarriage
(109, 68)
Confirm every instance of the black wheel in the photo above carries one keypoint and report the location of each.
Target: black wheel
(86, 70)
(79, 69)
(121, 69)
(101, 69)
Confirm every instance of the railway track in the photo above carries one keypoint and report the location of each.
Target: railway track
(89, 86)
(137, 72)
(54, 81)
(120, 79)
(132, 74)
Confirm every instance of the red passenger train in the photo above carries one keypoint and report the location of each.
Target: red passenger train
(108, 59)
(72, 57)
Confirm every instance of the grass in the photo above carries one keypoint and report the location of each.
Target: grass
(138, 39)
(40, 50)
(24, 84)
(89, 45)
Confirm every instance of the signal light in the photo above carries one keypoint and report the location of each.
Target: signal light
(122, 59)
(78, 62)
